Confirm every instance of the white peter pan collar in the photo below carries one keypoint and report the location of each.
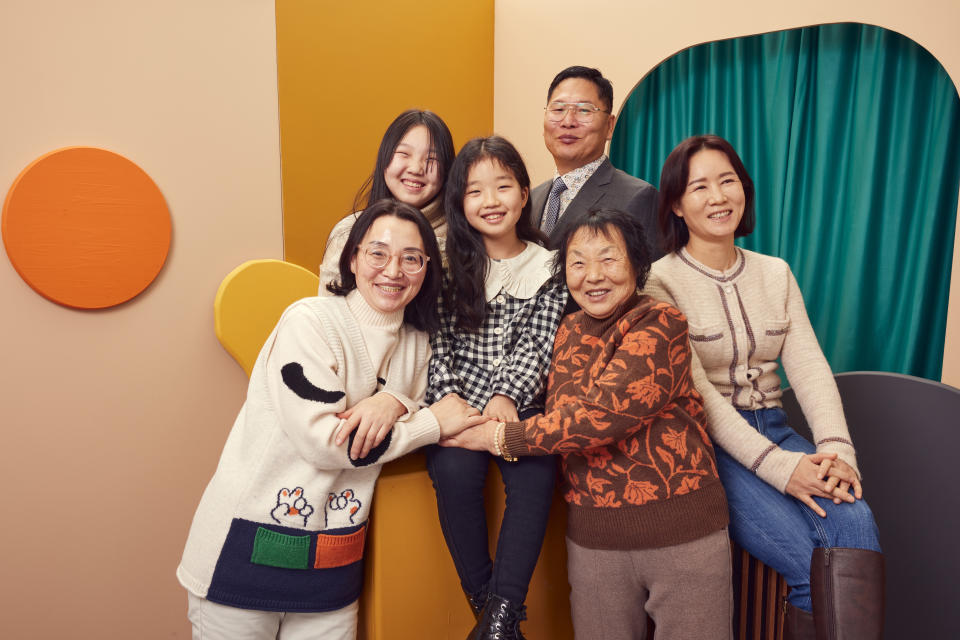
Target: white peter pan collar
(520, 276)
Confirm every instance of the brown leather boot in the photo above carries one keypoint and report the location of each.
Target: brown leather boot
(847, 586)
(797, 623)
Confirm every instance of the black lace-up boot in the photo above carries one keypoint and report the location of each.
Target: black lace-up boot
(476, 602)
(500, 620)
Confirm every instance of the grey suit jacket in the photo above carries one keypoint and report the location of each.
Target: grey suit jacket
(611, 188)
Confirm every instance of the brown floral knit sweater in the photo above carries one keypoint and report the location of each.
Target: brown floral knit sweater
(639, 469)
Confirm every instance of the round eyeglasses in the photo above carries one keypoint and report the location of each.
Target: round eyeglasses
(411, 260)
(583, 112)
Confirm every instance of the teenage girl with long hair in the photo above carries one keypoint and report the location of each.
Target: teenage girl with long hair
(412, 163)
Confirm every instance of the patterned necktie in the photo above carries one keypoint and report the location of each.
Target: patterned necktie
(553, 205)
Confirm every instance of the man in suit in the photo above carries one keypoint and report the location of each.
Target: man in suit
(577, 124)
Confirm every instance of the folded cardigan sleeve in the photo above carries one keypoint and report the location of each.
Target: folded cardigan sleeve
(410, 392)
(812, 380)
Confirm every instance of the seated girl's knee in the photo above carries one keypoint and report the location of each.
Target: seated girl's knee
(456, 472)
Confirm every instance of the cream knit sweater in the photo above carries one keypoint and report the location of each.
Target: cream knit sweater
(281, 471)
(741, 320)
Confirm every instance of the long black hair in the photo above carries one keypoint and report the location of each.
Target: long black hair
(375, 187)
(421, 312)
(466, 252)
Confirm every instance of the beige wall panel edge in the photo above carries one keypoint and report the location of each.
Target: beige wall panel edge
(113, 420)
(626, 39)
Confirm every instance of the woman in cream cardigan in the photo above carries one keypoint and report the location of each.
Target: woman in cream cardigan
(794, 505)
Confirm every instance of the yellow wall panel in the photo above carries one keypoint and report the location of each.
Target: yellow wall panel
(345, 70)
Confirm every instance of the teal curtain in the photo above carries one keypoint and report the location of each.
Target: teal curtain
(850, 133)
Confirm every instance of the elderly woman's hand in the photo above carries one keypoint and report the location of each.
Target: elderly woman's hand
(478, 438)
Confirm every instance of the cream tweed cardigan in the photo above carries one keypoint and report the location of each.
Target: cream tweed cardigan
(741, 320)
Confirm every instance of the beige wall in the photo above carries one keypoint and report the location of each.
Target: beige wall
(112, 421)
(626, 39)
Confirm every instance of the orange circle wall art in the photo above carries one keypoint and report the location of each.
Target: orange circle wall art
(86, 227)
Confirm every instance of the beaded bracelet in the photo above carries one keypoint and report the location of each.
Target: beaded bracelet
(496, 440)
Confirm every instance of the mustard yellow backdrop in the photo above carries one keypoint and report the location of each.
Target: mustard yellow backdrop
(345, 70)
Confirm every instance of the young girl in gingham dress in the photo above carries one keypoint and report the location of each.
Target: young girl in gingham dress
(499, 314)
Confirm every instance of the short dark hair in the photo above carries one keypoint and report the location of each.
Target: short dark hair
(604, 88)
(466, 252)
(604, 222)
(421, 312)
(375, 187)
(673, 184)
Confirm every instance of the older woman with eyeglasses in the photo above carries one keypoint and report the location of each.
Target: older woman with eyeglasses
(646, 514)
(276, 545)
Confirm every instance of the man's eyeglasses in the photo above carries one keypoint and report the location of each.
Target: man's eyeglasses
(584, 112)
(411, 260)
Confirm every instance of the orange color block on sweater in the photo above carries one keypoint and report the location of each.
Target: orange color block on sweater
(339, 551)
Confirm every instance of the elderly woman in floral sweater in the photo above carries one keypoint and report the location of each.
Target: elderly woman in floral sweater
(647, 516)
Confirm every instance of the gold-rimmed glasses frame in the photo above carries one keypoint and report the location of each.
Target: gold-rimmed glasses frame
(412, 261)
(583, 112)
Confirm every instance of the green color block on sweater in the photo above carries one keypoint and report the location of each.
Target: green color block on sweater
(280, 550)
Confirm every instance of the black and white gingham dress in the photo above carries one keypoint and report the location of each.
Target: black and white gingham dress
(509, 355)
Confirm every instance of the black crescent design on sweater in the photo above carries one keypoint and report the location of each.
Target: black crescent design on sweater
(297, 382)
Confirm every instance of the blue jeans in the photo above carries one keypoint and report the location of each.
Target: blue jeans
(459, 477)
(778, 529)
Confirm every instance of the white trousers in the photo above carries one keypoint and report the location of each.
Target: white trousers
(212, 621)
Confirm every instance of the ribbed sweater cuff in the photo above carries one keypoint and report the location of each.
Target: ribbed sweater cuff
(513, 436)
(777, 466)
(422, 428)
(844, 451)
